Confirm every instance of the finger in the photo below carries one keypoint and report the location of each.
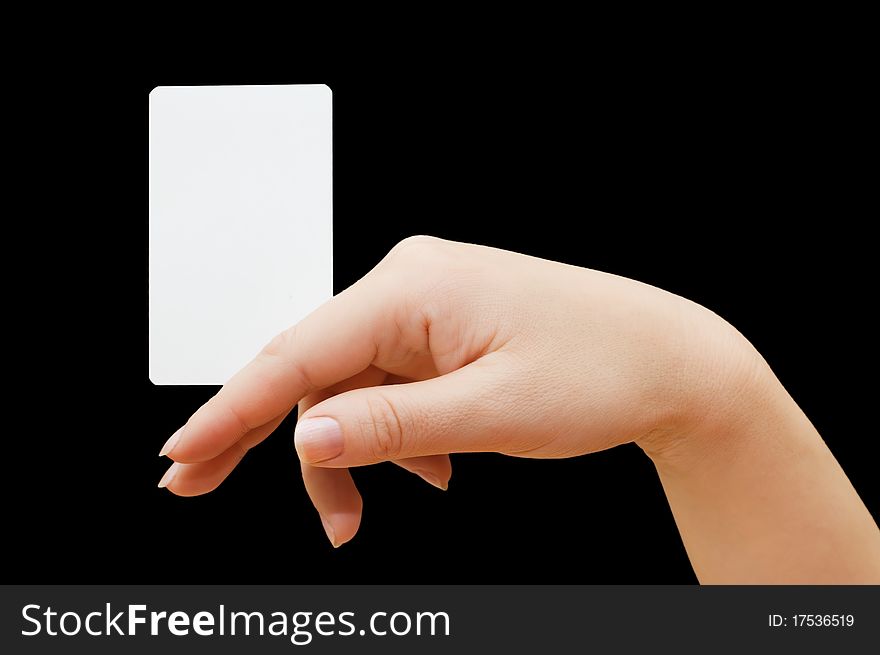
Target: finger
(337, 500)
(339, 504)
(369, 377)
(332, 491)
(433, 469)
(466, 410)
(333, 343)
(201, 477)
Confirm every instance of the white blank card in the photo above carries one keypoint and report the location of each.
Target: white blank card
(240, 222)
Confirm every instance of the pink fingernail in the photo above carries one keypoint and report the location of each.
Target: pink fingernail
(432, 479)
(169, 475)
(171, 443)
(331, 533)
(318, 439)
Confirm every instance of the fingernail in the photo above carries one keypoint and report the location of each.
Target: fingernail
(317, 439)
(171, 443)
(331, 533)
(430, 478)
(169, 475)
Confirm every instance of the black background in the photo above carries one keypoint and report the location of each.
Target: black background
(732, 179)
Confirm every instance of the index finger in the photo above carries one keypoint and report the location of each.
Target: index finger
(333, 343)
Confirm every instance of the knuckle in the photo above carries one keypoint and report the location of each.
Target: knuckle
(385, 429)
(425, 261)
(237, 419)
(285, 348)
(281, 344)
(417, 246)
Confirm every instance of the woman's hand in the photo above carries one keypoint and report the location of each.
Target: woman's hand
(447, 347)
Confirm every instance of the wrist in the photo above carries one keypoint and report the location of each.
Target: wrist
(726, 388)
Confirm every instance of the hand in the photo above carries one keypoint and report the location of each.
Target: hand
(447, 348)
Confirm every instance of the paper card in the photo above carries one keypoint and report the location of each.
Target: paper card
(240, 222)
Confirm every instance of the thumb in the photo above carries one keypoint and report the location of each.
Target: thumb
(461, 411)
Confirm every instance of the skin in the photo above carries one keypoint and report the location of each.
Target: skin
(447, 347)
